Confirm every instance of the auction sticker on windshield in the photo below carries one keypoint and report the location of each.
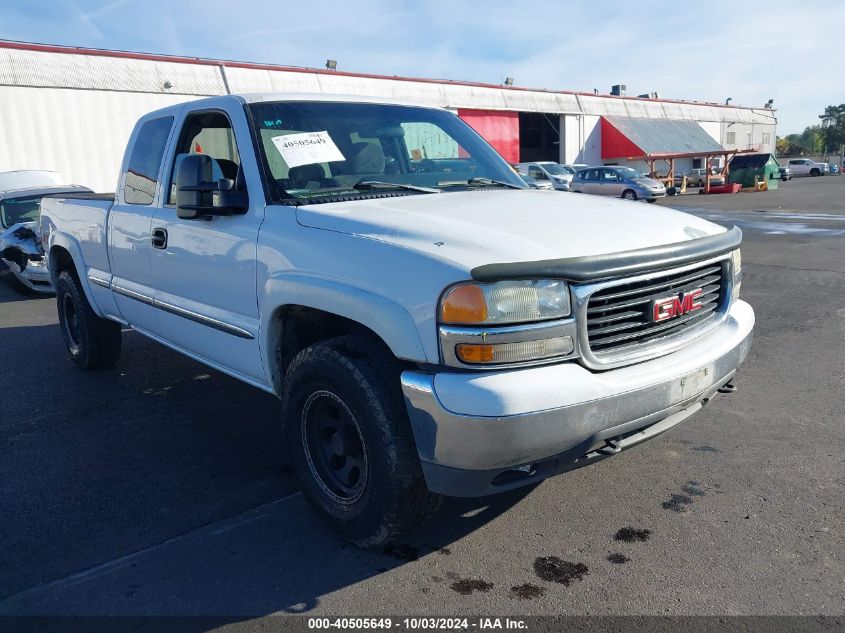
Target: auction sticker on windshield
(307, 148)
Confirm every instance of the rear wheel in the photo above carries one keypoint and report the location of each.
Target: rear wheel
(350, 443)
(91, 341)
(629, 194)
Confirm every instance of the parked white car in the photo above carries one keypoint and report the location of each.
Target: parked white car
(807, 167)
(20, 233)
(432, 326)
(559, 176)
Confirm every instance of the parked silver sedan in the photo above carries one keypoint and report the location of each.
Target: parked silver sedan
(621, 182)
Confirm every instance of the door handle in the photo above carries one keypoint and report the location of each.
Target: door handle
(159, 238)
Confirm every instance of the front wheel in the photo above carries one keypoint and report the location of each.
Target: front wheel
(91, 341)
(814, 172)
(651, 200)
(629, 194)
(350, 443)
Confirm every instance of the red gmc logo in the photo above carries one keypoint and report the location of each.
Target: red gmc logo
(671, 307)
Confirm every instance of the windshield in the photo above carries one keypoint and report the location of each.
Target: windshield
(627, 172)
(555, 170)
(323, 152)
(15, 210)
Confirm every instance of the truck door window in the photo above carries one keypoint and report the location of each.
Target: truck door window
(141, 177)
(208, 133)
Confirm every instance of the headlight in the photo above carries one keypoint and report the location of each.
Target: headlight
(506, 323)
(736, 267)
(505, 302)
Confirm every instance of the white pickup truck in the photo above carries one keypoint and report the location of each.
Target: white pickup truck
(807, 167)
(431, 326)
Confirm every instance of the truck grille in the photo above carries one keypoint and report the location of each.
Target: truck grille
(618, 316)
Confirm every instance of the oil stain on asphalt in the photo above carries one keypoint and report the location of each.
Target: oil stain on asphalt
(693, 490)
(679, 502)
(631, 535)
(527, 591)
(553, 569)
(470, 585)
(617, 558)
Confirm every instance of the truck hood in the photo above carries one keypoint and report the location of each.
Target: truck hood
(474, 228)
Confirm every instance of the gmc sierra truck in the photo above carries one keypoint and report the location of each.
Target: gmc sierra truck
(431, 325)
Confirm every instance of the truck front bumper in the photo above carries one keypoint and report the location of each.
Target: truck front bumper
(481, 433)
(35, 276)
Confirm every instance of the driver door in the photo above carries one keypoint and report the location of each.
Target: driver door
(204, 269)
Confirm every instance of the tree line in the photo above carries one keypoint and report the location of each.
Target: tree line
(827, 137)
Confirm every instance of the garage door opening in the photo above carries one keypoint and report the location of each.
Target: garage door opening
(539, 136)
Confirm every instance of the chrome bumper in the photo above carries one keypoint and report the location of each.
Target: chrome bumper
(35, 276)
(471, 429)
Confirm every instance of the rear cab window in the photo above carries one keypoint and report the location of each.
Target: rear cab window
(141, 177)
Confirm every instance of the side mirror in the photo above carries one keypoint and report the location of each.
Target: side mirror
(199, 196)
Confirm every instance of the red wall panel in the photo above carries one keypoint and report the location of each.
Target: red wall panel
(500, 129)
(614, 144)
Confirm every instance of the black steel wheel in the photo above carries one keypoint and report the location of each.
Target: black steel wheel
(349, 441)
(70, 323)
(334, 447)
(91, 341)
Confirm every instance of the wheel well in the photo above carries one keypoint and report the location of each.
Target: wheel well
(293, 328)
(60, 260)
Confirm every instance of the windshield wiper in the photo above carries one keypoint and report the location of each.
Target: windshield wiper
(378, 184)
(478, 181)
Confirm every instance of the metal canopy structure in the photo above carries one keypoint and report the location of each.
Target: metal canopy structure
(653, 140)
(622, 137)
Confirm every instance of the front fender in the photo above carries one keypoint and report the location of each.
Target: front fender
(389, 320)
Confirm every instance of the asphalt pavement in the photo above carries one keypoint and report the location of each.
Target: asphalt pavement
(160, 486)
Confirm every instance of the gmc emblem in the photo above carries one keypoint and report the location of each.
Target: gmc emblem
(671, 307)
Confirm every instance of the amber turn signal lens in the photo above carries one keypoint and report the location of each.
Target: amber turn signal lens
(464, 304)
(475, 353)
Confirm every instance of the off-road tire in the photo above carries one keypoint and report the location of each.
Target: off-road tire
(91, 341)
(394, 498)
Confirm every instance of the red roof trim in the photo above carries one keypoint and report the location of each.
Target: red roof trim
(98, 52)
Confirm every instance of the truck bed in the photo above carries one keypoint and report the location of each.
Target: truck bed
(82, 220)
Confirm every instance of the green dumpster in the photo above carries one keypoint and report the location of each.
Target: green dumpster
(744, 167)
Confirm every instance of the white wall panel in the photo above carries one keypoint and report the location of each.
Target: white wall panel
(94, 72)
(79, 133)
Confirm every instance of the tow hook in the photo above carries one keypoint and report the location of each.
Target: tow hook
(611, 447)
(728, 387)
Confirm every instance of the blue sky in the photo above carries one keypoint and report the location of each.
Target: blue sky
(787, 51)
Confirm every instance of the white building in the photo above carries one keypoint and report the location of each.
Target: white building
(71, 109)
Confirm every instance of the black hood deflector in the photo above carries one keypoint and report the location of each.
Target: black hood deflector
(600, 267)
